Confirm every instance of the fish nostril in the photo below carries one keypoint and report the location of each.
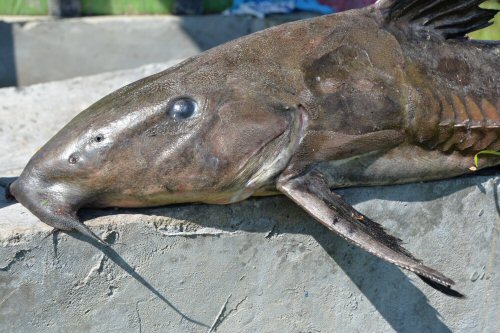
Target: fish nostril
(73, 159)
(99, 138)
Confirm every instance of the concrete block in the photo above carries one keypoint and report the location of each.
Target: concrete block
(262, 265)
(45, 50)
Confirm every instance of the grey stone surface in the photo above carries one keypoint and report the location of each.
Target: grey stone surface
(46, 50)
(258, 266)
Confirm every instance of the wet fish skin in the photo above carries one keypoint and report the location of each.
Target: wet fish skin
(391, 93)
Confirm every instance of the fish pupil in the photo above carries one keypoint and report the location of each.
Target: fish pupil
(182, 108)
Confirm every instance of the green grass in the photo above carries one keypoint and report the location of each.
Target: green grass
(484, 152)
(492, 32)
(216, 6)
(24, 7)
(130, 7)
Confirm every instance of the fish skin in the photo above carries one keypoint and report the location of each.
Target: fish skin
(366, 97)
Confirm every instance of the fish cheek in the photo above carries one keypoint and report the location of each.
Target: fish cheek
(239, 131)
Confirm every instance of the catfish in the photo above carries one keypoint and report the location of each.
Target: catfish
(388, 94)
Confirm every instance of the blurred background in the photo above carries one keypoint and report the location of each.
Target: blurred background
(47, 40)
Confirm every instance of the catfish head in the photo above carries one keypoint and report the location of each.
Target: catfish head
(194, 133)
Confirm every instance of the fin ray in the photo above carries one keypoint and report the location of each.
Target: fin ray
(451, 18)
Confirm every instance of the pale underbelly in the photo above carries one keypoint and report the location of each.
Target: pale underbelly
(403, 164)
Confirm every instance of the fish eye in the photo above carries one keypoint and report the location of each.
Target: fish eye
(182, 108)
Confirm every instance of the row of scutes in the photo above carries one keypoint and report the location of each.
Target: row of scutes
(456, 122)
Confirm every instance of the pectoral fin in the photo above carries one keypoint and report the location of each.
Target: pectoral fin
(311, 192)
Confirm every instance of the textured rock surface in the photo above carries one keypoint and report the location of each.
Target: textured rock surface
(258, 266)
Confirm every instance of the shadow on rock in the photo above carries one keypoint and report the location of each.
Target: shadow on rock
(404, 307)
(119, 261)
(5, 199)
(495, 194)
(427, 191)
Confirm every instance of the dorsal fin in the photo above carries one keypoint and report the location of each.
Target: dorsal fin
(451, 18)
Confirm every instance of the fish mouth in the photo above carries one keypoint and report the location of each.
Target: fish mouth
(272, 164)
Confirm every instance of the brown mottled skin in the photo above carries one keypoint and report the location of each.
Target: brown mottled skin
(382, 95)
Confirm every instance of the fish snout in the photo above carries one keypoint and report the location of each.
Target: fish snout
(49, 207)
(50, 204)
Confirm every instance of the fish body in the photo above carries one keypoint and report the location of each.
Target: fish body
(392, 93)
